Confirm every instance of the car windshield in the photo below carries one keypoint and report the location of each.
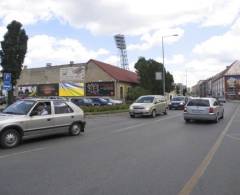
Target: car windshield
(199, 102)
(145, 100)
(19, 107)
(178, 99)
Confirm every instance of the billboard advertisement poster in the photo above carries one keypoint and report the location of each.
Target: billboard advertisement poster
(72, 74)
(27, 90)
(48, 89)
(232, 87)
(100, 89)
(69, 89)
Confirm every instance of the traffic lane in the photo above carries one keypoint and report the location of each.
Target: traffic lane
(153, 159)
(222, 176)
(97, 127)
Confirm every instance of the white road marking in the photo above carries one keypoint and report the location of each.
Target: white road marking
(19, 153)
(143, 124)
(193, 181)
(234, 137)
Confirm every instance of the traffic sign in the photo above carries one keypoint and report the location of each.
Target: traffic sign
(7, 81)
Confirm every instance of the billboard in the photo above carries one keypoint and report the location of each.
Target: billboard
(100, 89)
(27, 90)
(47, 90)
(232, 87)
(71, 89)
(69, 74)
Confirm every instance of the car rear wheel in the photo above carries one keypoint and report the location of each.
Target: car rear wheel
(187, 120)
(75, 129)
(216, 119)
(10, 138)
(153, 113)
(165, 112)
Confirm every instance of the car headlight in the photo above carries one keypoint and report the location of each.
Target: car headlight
(147, 109)
(181, 103)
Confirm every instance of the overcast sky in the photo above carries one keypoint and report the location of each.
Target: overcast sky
(77, 30)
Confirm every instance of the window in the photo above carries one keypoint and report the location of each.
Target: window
(199, 102)
(61, 107)
(146, 99)
(19, 107)
(41, 109)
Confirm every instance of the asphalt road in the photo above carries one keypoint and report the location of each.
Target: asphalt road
(122, 156)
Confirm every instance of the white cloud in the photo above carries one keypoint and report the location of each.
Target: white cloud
(150, 40)
(43, 49)
(122, 16)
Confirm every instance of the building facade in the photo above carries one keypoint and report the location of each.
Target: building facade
(224, 84)
(93, 78)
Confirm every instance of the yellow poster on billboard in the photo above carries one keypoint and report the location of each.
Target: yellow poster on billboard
(69, 89)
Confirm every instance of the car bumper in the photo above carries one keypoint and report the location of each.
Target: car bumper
(176, 106)
(210, 117)
(83, 125)
(140, 113)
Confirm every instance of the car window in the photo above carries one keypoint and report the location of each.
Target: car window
(19, 107)
(178, 99)
(42, 108)
(145, 100)
(61, 107)
(215, 103)
(198, 102)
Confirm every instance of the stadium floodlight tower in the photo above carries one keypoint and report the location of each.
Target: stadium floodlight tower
(121, 45)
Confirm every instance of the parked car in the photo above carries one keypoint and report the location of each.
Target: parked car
(112, 101)
(203, 109)
(99, 101)
(82, 101)
(178, 102)
(36, 117)
(149, 105)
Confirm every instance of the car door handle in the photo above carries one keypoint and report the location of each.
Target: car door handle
(72, 116)
(49, 119)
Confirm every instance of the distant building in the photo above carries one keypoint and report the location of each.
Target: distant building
(224, 84)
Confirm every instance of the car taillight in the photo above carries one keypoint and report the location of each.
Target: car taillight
(185, 109)
(211, 110)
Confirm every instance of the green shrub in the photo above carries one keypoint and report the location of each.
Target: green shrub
(104, 108)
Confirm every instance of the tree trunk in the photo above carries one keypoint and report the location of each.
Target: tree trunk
(10, 98)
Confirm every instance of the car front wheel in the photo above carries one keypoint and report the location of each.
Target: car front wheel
(10, 138)
(75, 129)
(153, 113)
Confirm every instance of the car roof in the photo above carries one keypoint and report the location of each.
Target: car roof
(42, 99)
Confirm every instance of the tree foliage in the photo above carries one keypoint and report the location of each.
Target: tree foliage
(146, 70)
(14, 48)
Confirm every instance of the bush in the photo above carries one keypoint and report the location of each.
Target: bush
(104, 108)
(136, 92)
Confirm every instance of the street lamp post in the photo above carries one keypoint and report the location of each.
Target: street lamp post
(163, 73)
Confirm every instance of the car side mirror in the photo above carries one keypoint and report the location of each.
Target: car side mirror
(155, 102)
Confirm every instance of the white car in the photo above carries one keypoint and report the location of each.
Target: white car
(203, 109)
(149, 105)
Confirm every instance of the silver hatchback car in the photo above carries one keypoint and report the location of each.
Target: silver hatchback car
(36, 117)
(203, 109)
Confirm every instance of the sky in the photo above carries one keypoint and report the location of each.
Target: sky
(61, 31)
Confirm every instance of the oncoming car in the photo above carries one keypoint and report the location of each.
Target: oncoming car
(36, 117)
(150, 105)
(203, 109)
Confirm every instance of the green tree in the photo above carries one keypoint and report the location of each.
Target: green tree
(146, 70)
(14, 48)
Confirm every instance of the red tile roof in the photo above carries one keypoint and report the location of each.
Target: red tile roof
(117, 73)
